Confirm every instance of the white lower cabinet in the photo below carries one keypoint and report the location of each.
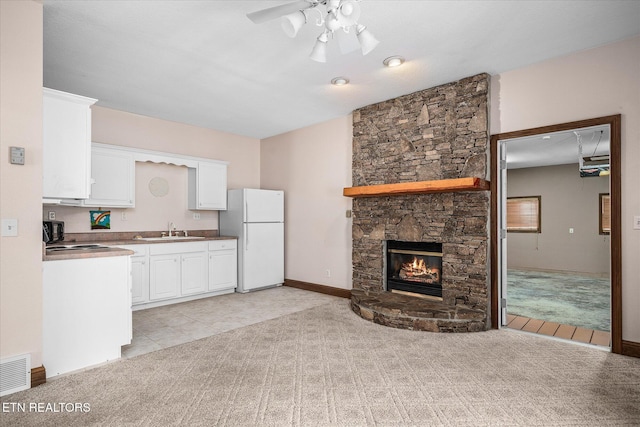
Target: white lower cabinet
(194, 273)
(223, 270)
(86, 312)
(139, 273)
(164, 276)
(139, 280)
(163, 273)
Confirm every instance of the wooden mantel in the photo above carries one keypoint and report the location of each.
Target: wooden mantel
(421, 187)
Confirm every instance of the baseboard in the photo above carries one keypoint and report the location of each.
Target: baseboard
(630, 348)
(323, 289)
(38, 376)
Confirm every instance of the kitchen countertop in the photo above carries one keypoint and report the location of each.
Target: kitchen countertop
(71, 253)
(107, 244)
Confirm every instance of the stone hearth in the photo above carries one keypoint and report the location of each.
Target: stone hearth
(435, 134)
(407, 312)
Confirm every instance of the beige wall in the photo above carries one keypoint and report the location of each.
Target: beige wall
(593, 83)
(21, 186)
(313, 165)
(567, 201)
(133, 130)
(152, 214)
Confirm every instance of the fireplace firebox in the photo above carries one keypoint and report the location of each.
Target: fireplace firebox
(414, 268)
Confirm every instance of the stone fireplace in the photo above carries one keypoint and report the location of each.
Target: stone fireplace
(430, 145)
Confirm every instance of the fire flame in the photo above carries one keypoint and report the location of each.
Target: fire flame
(417, 270)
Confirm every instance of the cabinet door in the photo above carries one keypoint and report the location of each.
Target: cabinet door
(164, 276)
(194, 273)
(223, 271)
(66, 156)
(113, 178)
(208, 186)
(140, 280)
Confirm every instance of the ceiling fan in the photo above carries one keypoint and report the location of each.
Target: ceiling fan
(339, 15)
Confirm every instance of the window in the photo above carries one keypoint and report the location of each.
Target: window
(605, 213)
(523, 214)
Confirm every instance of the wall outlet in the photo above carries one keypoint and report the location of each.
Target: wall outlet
(196, 215)
(123, 216)
(636, 222)
(52, 215)
(328, 273)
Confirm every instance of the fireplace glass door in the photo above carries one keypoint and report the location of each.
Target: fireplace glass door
(414, 267)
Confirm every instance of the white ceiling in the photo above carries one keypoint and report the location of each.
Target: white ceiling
(557, 148)
(205, 63)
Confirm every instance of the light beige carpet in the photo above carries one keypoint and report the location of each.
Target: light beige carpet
(327, 367)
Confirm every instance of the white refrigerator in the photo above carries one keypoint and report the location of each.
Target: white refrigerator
(256, 217)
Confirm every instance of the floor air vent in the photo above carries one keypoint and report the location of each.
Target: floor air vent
(15, 374)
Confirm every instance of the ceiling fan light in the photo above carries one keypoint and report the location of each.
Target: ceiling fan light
(319, 52)
(367, 41)
(292, 23)
(348, 13)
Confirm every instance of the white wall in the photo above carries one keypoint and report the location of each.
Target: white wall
(593, 83)
(313, 165)
(153, 214)
(21, 186)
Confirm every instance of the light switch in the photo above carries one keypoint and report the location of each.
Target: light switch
(636, 222)
(9, 227)
(16, 155)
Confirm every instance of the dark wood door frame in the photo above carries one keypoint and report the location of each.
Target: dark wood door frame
(614, 123)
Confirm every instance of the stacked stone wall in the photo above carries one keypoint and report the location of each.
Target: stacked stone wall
(438, 133)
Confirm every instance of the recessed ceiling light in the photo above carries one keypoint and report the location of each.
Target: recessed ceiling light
(339, 81)
(546, 137)
(393, 61)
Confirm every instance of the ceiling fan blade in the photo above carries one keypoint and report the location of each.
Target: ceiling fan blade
(270, 13)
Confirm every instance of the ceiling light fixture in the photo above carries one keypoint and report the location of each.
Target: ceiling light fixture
(340, 15)
(393, 61)
(339, 81)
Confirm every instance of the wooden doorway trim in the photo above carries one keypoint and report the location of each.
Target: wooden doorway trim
(614, 123)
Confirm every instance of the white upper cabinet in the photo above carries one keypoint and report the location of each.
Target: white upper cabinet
(66, 145)
(113, 177)
(208, 186)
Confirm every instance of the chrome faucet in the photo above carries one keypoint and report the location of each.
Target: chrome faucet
(172, 227)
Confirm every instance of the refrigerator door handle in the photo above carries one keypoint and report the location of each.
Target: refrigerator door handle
(246, 237)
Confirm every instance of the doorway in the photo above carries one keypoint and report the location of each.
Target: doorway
(499, 272)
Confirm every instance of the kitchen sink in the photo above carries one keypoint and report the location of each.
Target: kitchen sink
(170, 238)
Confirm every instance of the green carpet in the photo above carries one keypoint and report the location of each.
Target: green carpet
(568, 298)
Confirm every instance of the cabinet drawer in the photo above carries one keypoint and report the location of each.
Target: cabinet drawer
(177, 248)
(217, 245)
(139, 250)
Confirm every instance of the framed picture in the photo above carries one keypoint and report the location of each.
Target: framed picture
(100, 220)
